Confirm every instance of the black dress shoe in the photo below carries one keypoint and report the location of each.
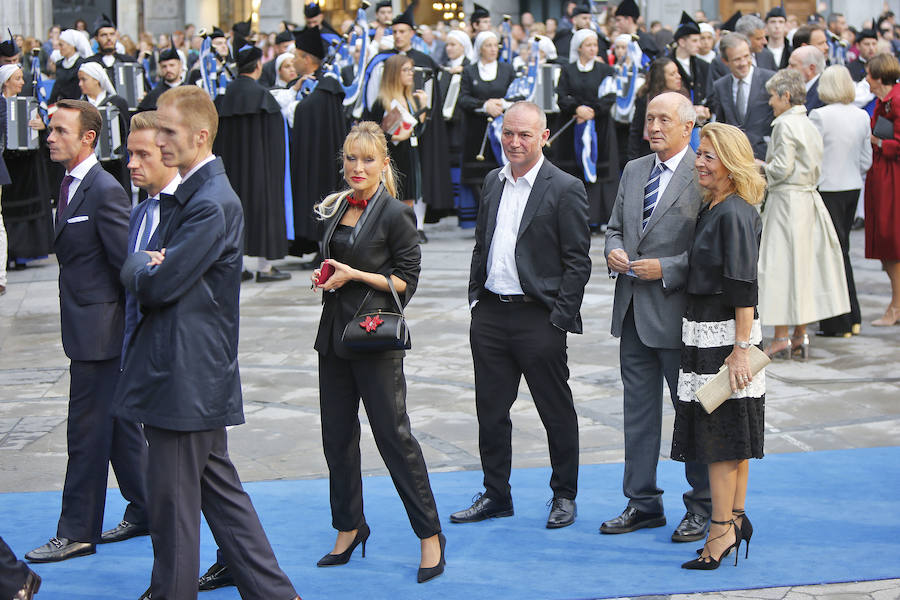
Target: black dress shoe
(31, 587)
(423, 239)
(123, 531)
(216, 576)
(562, 513)
(273, 275)
(58, 549)
(246, 275)
(692, 528)
(482, 508)
(632, 519)
(146, 595)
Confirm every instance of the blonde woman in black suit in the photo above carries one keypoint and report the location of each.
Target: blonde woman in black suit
(369, 236)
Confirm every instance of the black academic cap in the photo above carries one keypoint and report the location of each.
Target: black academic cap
(169, 54)
(406, 17)
(284, 36)
(312, 10)
(730, 24)
(581, 9)
(9, 47)
(101, 22)
(384, 4)
(479, 12)
(216, 33)
(628, 8)
(777, 11)
(242, 28)
(248, 55)
(309, 40)
(866, 33)
(687, 26)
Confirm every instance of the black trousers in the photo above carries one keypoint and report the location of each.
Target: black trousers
(643, 371)
(13, 572)
(189, 473)
(510, 340)
(95, 439)
(382, 386)
(842, 208)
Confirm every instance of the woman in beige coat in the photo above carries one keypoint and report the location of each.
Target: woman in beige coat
(801, 270)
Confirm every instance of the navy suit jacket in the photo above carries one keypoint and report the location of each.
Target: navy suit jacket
(812, 97)
(758, 120)
(90, 245)
(132, 308)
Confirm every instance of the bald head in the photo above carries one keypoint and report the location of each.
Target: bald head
(670, 119)
(808, 60)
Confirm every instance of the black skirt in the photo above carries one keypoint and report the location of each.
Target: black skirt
(734, 431)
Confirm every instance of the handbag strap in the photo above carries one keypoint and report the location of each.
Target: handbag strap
(369, 296)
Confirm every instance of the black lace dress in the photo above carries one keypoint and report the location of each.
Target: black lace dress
(722, 277)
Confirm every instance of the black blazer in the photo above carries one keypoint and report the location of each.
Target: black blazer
(758, 120)
(4, 173)
(552, 246)
(384, 241)
(90, 245)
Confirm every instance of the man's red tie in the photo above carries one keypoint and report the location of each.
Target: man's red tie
(63, 197)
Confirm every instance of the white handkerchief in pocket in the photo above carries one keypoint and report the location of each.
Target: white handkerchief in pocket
(78, 219)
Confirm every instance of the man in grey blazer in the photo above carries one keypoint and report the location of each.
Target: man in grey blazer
(648, 240)
(740, 98)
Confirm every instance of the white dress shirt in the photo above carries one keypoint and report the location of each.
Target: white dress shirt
(78, 173)
(671, 164)
(734, 89)
(151, 215)
(502, 274)
(208, 159)
(812, 82)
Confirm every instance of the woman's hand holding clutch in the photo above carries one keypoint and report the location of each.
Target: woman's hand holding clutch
(739, 369)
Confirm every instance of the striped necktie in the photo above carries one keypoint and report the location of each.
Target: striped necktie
(651, 193)
(149, 218)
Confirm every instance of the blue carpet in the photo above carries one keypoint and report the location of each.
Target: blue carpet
(799, 504)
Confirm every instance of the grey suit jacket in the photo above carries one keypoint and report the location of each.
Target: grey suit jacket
(658, 308)
(757, 122)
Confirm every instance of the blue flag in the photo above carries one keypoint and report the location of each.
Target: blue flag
(586, 149)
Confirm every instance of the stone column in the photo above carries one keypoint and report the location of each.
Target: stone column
(160, 16)
(27, 17)
(273, 12)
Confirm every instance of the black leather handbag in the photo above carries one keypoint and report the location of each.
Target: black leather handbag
(378, 331)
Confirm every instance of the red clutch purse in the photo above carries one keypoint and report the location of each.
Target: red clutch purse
(325, 272)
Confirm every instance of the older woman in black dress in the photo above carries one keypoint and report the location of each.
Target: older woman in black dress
(369, 236)
(719, 325)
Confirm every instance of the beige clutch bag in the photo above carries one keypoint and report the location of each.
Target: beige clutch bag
(718, 389)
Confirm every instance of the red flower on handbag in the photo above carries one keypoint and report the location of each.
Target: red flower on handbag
(371, 323)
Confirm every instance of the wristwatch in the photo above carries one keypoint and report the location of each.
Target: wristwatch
(742, 345)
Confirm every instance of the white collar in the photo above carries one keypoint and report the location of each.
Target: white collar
(585, 68)
(68, 62)
(199, 165)
(80, 170)
(100, 98)
(530, 176)
(673, 162)
(812, 81)
(748, 79)
(455, 62)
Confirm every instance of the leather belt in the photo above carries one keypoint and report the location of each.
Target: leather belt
(510, 298)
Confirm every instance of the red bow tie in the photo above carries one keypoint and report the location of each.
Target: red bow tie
(354, 202)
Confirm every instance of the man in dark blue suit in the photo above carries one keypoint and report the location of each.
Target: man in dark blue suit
(180, 374)
(809, 62)
(91, 233)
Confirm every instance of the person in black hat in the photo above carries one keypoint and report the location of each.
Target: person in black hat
(776, 34)
(170, 69)
(581, 19)
(315, 18)
(480, 19)
(731, 22)
(107, 37)
(251, 143)
(284, 42)
(384, 16)
(220, 47)
(694, 71)
(627, 15)
(11, 54)
(867, 45)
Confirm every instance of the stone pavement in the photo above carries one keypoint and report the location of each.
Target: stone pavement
(846, 396)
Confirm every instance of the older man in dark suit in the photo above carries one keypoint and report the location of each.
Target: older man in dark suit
(529, 268)
(740, 98)
(180, 376)
(647, 245)
(809, 62)
(91, 234)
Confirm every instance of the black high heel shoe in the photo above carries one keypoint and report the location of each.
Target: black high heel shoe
(333, 560)
(427, 573)
(746, 529)
(708, 563)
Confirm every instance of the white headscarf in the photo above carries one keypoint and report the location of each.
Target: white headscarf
(622, 37)
(279, 61)
(577, 39)
(707, 28)
(465, 42)
(480, 39)
(77, 39)
(6, 71)
(94, 70)
(546, 46)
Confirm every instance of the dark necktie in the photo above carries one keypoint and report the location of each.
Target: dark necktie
(741, 101)
(149, 217)
(63, 197)
(651, 194)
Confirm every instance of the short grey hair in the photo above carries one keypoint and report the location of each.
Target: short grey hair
(748, 24)
(732, 40)
(788, 81)
(685, 109)
(521, 105)
(810, 55)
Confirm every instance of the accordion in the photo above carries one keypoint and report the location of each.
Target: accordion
(129, 82)
(109, 146)
(545, 94)
(19, 111)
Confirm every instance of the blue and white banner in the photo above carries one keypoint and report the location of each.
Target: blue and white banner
(586, 149)
(495, 133)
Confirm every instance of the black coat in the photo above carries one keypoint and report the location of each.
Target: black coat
(268, 76)
(697, 81)
(111, 71)
(90, 245)
(473, 92)
(385, 242)
(150, 100)
(65, 87)
(4, 173)
(553, 245)
(405, 156)
(857, 70)
(118, 168)
(181, 368)
(251, 142)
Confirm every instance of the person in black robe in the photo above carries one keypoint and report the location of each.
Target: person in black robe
(627, 15)
(316, 140)
(283, 43)
(456, 59)
(577, 93)
(477, 93)
(224, 62)
(251, 142)
(170, 70)
(107, 36)
(695, 74)
(99, 91)
(65, 86)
